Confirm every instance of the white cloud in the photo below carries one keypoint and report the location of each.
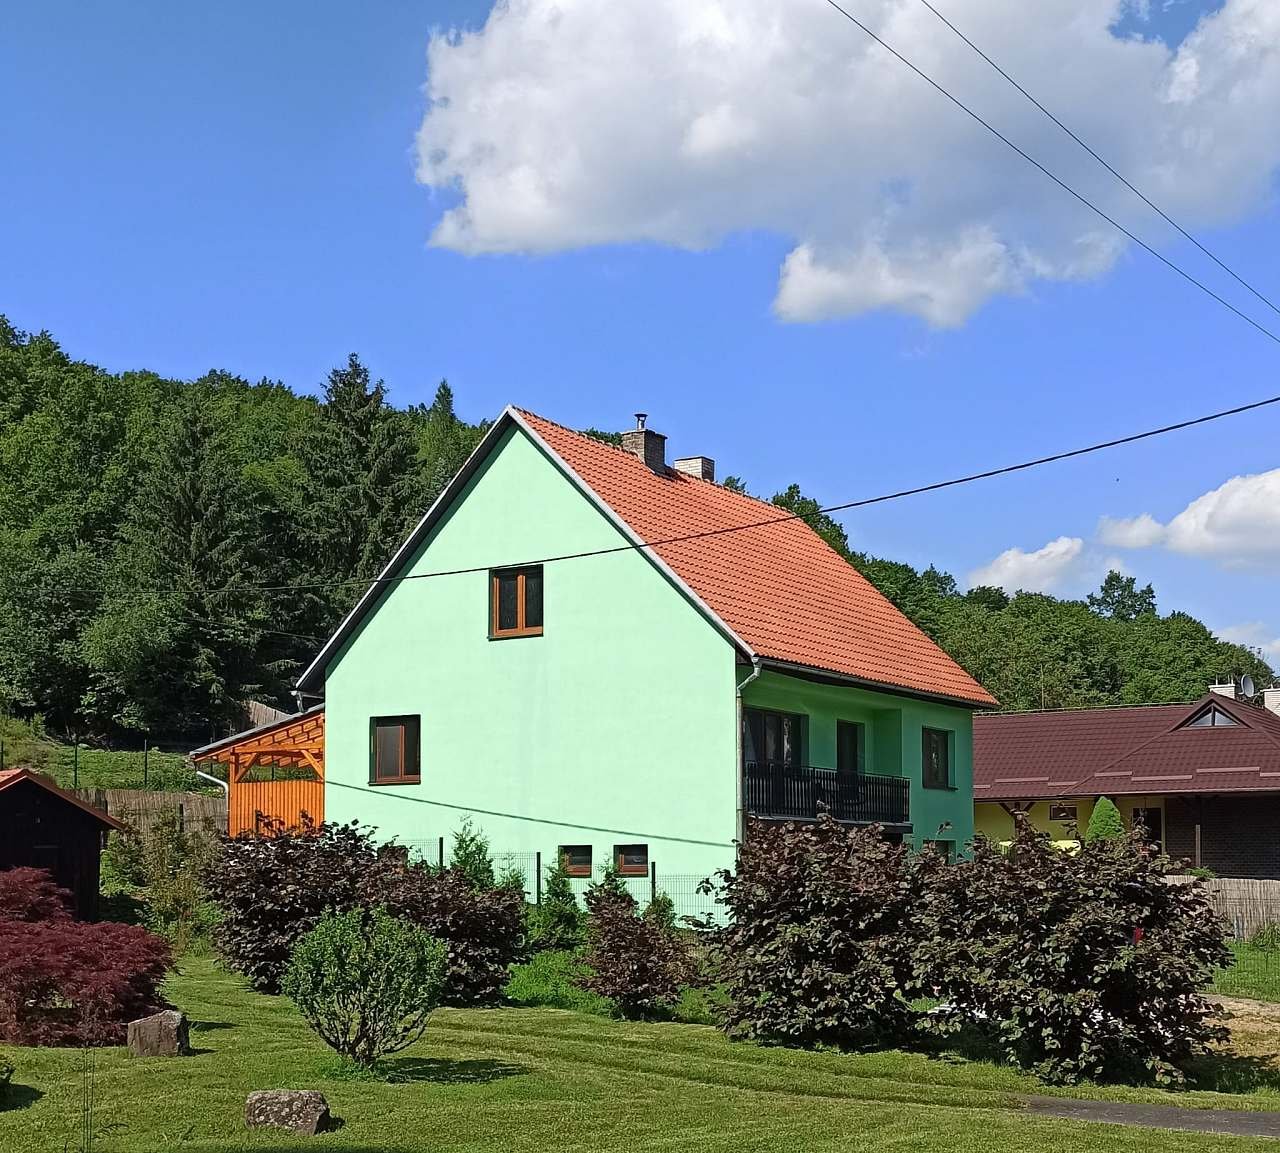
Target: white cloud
(1255, 635)
(1238, 523)
(567, 123)
(1140, 531)
(1047, 570)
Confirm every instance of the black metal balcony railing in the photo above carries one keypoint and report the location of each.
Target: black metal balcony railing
(800, 792)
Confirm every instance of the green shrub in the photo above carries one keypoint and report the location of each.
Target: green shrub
(554, 978)
(173, 862)
(1076, 966)
(122, 863)
(639, 964)
(1266, 937)
(818, 948)
(1105, 822)
(558, 922)
(470, 856)
(366, 982)
(661, 911)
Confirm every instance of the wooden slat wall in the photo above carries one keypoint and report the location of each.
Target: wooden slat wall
(1248, 904)
(140, 808)
(279, 800)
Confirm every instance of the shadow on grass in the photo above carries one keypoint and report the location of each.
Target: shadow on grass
(210, 1026)
(1233, 1073)
(15, 1096)
(444, 1071)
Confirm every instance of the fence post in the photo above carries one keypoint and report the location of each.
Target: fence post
(182, 818)
(145, 762)
(537, 872)
(442, 852)
(653, 881)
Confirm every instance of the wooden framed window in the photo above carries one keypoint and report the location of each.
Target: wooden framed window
(515, 602)
(631, 860)
(394, 750)
(1066, 813)
(772, 739)
(936, 769)
(576, 860)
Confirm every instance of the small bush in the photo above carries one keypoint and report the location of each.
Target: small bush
(1083, 966)
(1266, 937)
(554, 979)
(482, 929)
(818, 949)
(173, 863)
(366, 982)
(470, 856)
(558, 922)
(64, 982)
(269, 890)
(31, 895)
(122, 864)
(1105, 822)
(638, 963)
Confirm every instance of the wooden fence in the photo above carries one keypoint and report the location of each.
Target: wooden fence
(141, 808)
(1247, 904)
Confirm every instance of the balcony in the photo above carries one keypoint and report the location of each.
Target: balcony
(800, 792)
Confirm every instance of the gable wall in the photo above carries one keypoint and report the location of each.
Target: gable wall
(616, 725)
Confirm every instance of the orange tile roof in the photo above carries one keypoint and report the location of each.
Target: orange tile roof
(780, 587)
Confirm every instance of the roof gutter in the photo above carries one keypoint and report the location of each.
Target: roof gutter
(741, 806)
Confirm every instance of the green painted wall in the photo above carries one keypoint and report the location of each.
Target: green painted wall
(620, 717)
(892, 743)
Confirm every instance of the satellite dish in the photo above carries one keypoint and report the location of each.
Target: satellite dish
(1246, 685)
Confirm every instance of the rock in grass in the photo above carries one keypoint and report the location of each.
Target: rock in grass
(300, 1110)
(160, 1035)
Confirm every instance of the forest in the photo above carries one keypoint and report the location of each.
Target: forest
(170, 549)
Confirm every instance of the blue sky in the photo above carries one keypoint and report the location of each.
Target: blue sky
(187, 187)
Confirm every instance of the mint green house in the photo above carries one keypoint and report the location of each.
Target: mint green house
(597, 655)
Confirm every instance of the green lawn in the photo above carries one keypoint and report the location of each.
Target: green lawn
(1255, 974)
(514, 1080)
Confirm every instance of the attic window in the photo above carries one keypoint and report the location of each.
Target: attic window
(515, 602)
(1212, 718)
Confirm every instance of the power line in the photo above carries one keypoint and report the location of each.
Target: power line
(1123, 180)
(1054, 177)
(864, 502)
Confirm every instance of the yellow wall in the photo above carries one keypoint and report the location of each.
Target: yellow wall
(991, 820)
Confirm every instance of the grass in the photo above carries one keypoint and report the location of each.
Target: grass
(26, 743)
(516, 1080)
(1255, 974)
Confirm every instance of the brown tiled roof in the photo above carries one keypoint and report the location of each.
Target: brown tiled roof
(778, 587)
(1120, 751)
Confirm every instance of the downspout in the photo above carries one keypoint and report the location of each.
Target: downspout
(226, 789)
(739, 767)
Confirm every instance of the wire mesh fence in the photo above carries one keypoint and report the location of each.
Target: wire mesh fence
(684, 889)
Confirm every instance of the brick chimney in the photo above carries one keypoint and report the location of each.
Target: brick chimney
(703, 467)
(649, 446)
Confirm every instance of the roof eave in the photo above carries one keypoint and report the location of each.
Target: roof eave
(796, 668)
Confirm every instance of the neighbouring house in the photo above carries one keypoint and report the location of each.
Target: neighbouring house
(1203, 778)
(45, 827)
(574, 648)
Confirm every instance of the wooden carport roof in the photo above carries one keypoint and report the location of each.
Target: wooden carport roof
(296, 740)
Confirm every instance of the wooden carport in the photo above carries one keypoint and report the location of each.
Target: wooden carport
(275, 772)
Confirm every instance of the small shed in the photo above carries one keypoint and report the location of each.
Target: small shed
(275, 772)
(45, 827)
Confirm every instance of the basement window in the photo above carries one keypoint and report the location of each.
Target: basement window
(631, 860)
(394, 750)
(515, 602)
(576, 860)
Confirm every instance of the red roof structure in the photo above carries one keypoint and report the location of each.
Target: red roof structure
(1118, 751)
(766, 579)
(778, 586)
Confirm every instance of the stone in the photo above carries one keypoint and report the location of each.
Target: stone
(160, 1035)
(300, 1110)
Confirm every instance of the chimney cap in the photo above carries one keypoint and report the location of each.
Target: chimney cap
(641, 417)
